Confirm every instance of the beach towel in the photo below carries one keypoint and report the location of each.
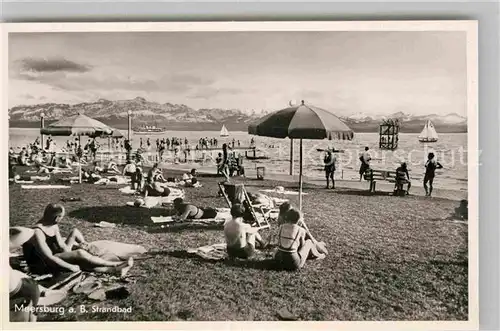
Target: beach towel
(215, 252)
(118, 180)
(116, 251)
(27, 187)
(150, 202)
(218, 252)
(127, 190)
(223, 215)
(282, 192)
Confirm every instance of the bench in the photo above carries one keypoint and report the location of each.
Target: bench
(374, 175)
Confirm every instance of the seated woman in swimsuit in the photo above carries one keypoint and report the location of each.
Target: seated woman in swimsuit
(155, 175)
(293, 247)
(47, 251)
(187, 211)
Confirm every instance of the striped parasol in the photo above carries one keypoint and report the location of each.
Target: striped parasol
(301, 122)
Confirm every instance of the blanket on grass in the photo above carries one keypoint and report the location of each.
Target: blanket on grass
(283, 192)
(27, 187)
(218, 252)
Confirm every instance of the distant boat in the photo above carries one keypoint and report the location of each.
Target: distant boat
(148, 129)
(428, 134)
(224, 132)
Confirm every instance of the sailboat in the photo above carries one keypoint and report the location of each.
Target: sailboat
(224, 132)
(428, 134)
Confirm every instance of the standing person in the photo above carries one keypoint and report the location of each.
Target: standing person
(148, 144)
(329, 161)
(225, 161)
(140, 142)
(365, 159)
(430, 172)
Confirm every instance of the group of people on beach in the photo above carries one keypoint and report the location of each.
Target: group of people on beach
(402, 173)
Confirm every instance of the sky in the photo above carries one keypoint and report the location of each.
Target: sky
(347, 72)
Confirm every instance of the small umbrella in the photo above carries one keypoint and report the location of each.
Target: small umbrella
(78, 125)
(301, 122)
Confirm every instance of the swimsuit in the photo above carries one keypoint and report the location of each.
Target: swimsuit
(36, 262)
(287, 255)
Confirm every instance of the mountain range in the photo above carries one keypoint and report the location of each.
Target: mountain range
(182, 117)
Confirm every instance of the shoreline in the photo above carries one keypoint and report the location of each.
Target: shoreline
(416, 190)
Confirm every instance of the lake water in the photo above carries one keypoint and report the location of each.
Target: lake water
(451, 152)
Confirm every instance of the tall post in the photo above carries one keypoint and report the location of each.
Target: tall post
(129, 124)
(291, 157)
(42, 126)
(300, 176)
(129, 153)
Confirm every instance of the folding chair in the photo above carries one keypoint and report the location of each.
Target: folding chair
(237, 193)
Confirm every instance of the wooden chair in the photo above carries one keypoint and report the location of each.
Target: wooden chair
(237, 193)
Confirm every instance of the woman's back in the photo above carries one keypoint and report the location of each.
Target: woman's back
(289, 237)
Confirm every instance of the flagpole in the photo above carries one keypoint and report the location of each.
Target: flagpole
(300, 177)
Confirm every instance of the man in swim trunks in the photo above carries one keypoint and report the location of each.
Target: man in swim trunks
(187, 211)
(430, 172)
(241, 238)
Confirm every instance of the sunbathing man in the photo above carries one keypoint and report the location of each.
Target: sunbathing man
(293, 247)
(241, 238)
(47, 252)
(187, 211)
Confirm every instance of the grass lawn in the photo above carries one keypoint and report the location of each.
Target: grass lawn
(391, 258)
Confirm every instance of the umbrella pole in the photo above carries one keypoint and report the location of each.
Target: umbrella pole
(79, 161)
(300, 177)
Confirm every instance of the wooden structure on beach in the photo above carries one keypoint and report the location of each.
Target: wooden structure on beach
(389, 134)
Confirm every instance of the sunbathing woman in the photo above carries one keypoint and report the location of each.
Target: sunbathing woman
(187, 211)
(48, 252)
(112, 167)
(155, 189)
(293, 247)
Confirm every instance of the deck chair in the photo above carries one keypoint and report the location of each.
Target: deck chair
(237, 193)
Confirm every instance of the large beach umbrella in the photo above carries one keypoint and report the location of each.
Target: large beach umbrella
(301, 122)
(78, 125)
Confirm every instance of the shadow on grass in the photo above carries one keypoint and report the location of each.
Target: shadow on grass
(261, 263)
(364, 193)
(118, 214)
(174, 228)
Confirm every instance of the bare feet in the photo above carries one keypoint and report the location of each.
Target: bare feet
(125, 267)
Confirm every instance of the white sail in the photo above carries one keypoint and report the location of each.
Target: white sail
(224, 132)
(428, 133)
